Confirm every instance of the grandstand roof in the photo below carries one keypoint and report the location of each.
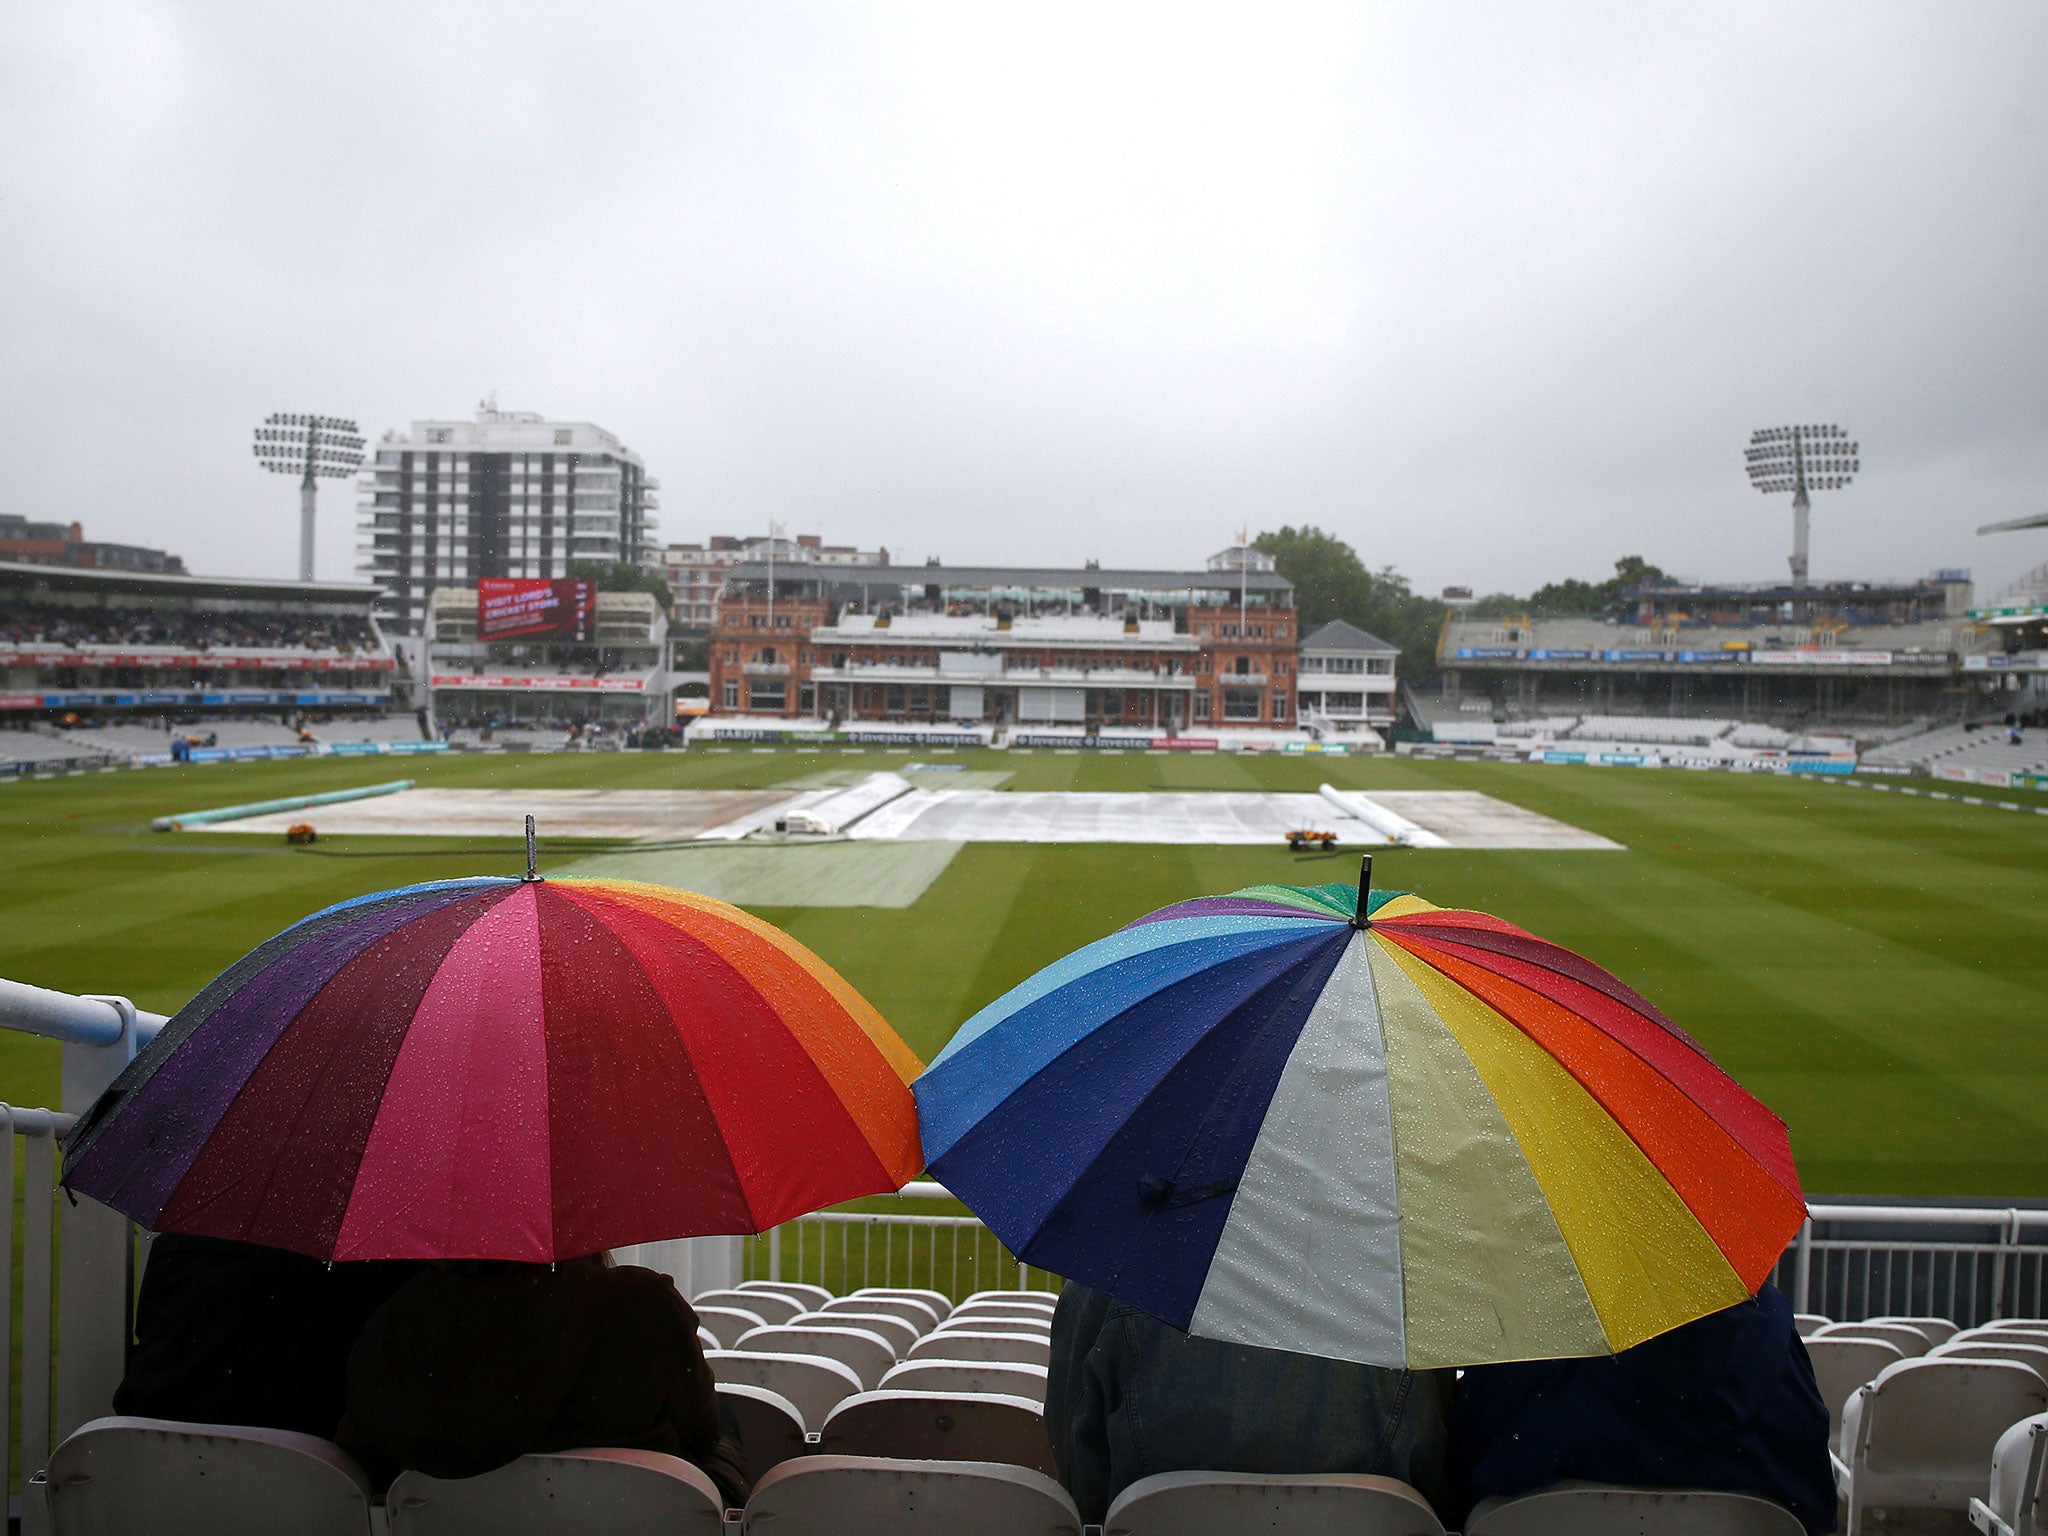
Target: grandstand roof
(1340, 636)
(73, 578)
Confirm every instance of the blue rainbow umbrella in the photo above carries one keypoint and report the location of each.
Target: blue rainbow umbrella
(1364, 1127)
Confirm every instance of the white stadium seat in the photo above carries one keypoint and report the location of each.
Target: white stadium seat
(874, 1496)
(900, 1334)
(1229, 1503)
(935, 1426)
(568, 1493)
(867, 1354)
(123, 1476)
(1594, 1509)
(1910, 1340)
(726, 1324)
(959, 1323)
(1808, 1322)
(810, 1383)
(811, 1296)
(2033, 1356)
(938, 1301)
(771, 1429)
(1046, 1299)
(1029, 1311)
(2017, 1501)
(1921, 1436)
(1006, 1379)
(970, 1344)
(770, 1306)
(918, 1313)
(1840, 1366)
(1939, 1330)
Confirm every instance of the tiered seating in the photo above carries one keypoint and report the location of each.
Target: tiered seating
(1922, 1435)
(34, 747)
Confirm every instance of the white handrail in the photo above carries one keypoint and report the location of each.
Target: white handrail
(74, 1020)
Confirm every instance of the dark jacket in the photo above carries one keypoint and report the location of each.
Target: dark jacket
(1128, 1396)
(1728, 1402)
(233, 1333)
(471, 1366)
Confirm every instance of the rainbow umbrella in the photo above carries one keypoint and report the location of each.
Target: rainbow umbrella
(508, 1069)
(1359, 1126)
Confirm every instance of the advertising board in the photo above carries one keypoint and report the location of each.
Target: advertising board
(534, 608)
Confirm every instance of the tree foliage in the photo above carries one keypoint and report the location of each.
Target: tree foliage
(1331, 582)
(1572, 598)
(622, 578)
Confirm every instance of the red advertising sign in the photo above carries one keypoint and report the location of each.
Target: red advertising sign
(536, 609)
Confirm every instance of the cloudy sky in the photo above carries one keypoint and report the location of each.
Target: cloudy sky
(1496, 292)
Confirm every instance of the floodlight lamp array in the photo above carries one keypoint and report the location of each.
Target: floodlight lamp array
(1780, 459)
(329, 447)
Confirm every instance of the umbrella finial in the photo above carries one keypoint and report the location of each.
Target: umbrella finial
(532, 864)
(1358, 919)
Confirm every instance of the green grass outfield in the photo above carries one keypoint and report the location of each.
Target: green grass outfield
(1874, 966)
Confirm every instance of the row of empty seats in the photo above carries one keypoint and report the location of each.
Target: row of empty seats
(1926, 1416)
(170, 1479)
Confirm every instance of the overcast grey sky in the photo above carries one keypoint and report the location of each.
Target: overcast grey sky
(1495, 292)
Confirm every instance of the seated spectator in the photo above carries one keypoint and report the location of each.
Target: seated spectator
(1128, 1396)
(230, 1333)
(475, 1364)
(1727, 1402)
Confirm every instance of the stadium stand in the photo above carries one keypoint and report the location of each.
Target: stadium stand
(1923, 1434)
(1974, 747)
(26, 620)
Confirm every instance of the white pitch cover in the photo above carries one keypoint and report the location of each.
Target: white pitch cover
(1310, 1257)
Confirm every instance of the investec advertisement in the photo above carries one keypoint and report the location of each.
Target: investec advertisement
(509, 607)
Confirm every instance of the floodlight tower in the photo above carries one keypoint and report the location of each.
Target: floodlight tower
(1799, 459)
(313, 448)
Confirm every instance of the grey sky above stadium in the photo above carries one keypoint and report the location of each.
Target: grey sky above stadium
(1497, 293)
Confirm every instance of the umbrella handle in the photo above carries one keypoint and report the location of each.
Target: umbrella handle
(1358, 918)
(533, 868)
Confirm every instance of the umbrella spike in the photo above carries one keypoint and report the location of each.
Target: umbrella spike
(532, 862)
(1358, 918)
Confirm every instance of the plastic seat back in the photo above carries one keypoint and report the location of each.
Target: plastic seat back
(1941, 1418)
(1038, 1298)
(1228, 1503)
(1597, 1510)
(2034, 1356)
(1939, 1330)
(120, 1476)
(1909, 1340)
(972, 1344)
(2018, 1496)
(938, 1301)
(1024, 1325)
(1840, 1366)
(1030, 1312)
(940, 1426)
(1809, 1322)
(919, 1314)
(771, 1428)
(874, 1496)
(726, 1324)
(568, 1493)
(865, 1353)
(1004, 1379)
(766, 1305)
(2002, 1333)
(811, 1384)
(809, 1297)
(900, 1334)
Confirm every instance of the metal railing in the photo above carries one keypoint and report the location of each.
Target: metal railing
(846, 1250)
(1971, 1264)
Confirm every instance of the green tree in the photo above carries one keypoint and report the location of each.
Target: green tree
(622, 578)
(1331, 582)
(1572, 598)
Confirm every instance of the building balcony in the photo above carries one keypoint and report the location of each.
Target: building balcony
(766, 669)
(1242, 679)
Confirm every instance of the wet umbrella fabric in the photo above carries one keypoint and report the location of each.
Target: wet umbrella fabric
(1431, 1140)
(507, 1069)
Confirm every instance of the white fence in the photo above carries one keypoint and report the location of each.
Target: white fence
(1969, 1263)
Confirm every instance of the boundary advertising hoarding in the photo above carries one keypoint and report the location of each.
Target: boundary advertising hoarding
(535, 608)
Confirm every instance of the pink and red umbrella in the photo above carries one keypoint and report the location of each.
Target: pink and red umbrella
(506, 1069)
